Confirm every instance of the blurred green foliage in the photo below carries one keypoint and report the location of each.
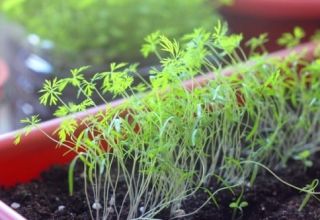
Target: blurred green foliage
(100, 31)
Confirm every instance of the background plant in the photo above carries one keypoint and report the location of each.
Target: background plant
(97, 32)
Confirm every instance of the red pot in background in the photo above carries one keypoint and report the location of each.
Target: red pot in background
(4, 74)
(253, 17)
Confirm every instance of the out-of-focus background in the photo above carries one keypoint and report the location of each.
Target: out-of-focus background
(42, 39)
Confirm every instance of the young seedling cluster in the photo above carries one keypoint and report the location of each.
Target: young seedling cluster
(167, 141)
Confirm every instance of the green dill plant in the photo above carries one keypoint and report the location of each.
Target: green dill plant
(167, 141)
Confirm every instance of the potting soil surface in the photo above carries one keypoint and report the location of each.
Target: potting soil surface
(268, 199)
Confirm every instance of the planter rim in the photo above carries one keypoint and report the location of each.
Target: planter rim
(276, 9)
(7, 213)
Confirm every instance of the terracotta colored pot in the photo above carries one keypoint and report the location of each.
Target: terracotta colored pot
(253, 17)
(4, 74)
(37, 153)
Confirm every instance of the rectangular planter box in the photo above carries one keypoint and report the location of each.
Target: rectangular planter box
(37, 153)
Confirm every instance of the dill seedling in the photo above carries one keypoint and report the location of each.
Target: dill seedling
(167, 141)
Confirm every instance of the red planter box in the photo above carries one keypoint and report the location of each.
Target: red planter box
(37, 153)
(253, 17)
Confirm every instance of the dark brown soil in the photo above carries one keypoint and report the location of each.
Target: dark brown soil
(268, 199)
